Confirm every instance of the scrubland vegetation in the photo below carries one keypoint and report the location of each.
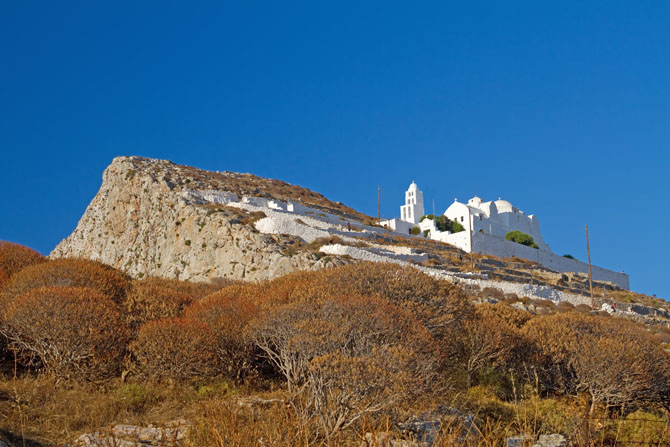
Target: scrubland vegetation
(313, 358)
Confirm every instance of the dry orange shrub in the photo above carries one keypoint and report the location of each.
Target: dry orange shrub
(437, 303)
(196, 290)
(614, 361)
(227, 313)
(440, 306)
(346, 356)
(71, 332)
(4, 277)
(510, 315)
(16, 257)
(69, 273)
(286, 288)
(175, 348)
(145, 301)
(488, 340)
(565, 306)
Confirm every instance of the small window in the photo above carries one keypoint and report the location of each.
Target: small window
(462, 219)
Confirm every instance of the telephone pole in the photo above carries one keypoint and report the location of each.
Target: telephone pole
(588, 253)
(471, 223)
(379, 204)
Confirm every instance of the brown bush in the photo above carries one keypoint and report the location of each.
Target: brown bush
(287, 288)
(494, 292)
(510, 315)
(663, 334)
(319, 242)
(195, 290)
(615, 361)
(175, 348)
(69, 273)
(71, 332)
(544, 303)
(353, 355)
(438, 304)
(16, 257)
(565, 306)
(227, 313)
(146, 302)
(490, 338)
(4, 277)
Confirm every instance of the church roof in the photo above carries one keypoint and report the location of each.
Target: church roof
(504, 205)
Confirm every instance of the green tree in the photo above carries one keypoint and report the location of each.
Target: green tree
(521, 238)
(444, 224)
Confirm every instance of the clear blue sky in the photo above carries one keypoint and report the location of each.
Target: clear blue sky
(562, 108)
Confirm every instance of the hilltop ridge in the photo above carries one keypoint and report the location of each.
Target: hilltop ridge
(156, 218)
(144, 221)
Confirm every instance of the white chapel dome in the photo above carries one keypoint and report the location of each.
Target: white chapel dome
(413, 187)
(503, 205)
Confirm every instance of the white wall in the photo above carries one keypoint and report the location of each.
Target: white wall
(520, 289)
(460, 240)
(485, 243)
(293, 207)
(398, 225)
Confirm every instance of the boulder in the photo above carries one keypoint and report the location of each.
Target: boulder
(124, 435)
(519, 441)
(553, 440)
(385, 439)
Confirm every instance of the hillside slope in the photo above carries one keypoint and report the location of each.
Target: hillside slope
(156, 218)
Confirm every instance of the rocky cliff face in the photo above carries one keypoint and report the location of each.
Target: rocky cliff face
(147, 221)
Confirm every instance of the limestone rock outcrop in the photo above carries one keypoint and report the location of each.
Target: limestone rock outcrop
(146, 221)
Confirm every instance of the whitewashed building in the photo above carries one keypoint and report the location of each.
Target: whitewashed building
(496, 218)
(485, 226)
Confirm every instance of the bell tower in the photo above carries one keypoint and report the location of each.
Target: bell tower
(412, 210)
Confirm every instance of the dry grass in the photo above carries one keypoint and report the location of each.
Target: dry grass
(39, 411)
(43, 411)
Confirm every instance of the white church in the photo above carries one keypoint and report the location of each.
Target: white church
(485, 226)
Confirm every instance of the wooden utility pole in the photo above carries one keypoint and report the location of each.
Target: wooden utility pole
(471, 222)
(588, 253)
(379, 204)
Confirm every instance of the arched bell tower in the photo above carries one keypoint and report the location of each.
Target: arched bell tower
(412, 210)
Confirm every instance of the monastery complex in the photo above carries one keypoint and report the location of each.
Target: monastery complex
(485, 225)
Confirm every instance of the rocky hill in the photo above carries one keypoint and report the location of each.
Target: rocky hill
(152, 218)
(156, 218)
